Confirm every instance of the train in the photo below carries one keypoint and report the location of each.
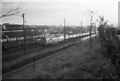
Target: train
(43, 41)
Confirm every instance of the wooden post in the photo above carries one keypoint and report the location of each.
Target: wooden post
(64, 31)
(82, 28)
(90, 32)
(24, 32)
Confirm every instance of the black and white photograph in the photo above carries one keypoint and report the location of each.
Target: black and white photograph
(59, 39)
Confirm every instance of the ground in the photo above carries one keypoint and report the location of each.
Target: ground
(75, 62)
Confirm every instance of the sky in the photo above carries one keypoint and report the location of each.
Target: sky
(53, 12)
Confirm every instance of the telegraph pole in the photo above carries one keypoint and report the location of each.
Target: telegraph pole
(91, 29)
(64, 31)
(92, 13)
(23, 16)
(82, 27)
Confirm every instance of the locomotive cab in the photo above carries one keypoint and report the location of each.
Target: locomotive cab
(43, 41)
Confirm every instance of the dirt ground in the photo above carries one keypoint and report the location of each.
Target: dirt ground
(75, 62)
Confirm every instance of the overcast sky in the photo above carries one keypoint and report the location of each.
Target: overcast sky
(52, 12)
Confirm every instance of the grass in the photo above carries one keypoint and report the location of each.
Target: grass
(84, 64)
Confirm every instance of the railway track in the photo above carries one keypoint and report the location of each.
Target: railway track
(20, 53)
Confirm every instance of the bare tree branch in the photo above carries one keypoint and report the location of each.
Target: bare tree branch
(11, 12)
